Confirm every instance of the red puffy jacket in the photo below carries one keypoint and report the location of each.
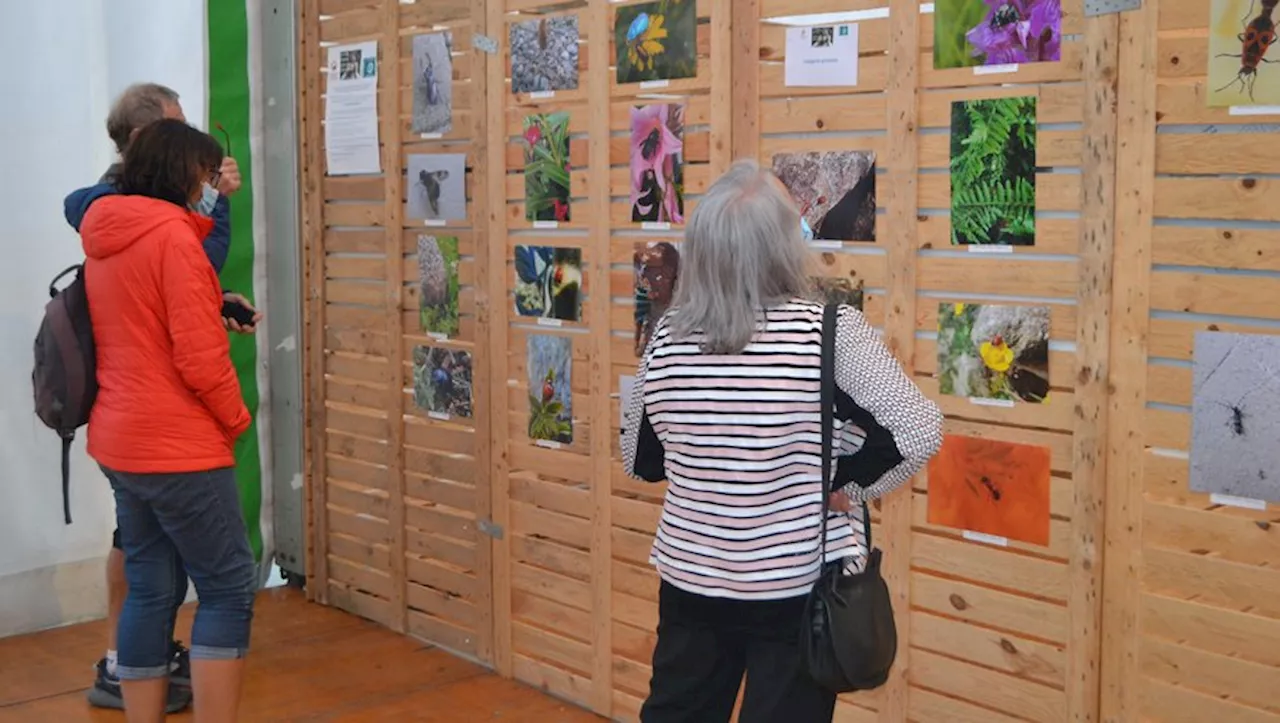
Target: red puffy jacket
(169, 400)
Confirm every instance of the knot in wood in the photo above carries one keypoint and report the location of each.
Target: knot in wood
(958, 602)
(1008, 647)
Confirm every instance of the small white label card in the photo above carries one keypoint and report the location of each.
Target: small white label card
(432, 136)
(822, 56)
(442, 416)
(542, 95)
(826, 245)
(985, 538)
(544, 321)
(990, 249)
(1254, 110)
(995, 69)
(655, 225)
(438, 336)
(984, 402)
(548, 444)
(435, 222)
(651, 84)
(1233, 501)
(546, 224)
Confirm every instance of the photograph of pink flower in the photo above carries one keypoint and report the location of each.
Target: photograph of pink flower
(967, 33)
(657, 163)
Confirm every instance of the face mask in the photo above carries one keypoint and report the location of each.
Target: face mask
(805, 230)
(208, 199)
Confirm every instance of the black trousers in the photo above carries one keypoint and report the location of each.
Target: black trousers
(705, 645)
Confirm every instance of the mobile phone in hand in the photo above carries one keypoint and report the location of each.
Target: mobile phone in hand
(240, 314)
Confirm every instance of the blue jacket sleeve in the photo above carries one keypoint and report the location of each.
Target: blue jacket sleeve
(218, 243)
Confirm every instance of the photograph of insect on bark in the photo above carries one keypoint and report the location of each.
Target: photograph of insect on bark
(438, 284)
(996, 32)
(550, 366)
(1241, 33)
(546, 167)
(1235, 415)
(544, 54)
(657, 268)
(656, 41)
(992, 487)
(442, 380)
(993, 171)
(437, 187)
(657, 163)
(837, 291)
(987, 351)
(549, 282)
(432, 83)
(836, 192)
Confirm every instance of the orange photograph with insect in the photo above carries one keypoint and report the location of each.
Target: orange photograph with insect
(991, 487)
(1243, 67)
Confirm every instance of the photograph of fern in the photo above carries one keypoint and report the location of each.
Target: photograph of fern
(993, 172)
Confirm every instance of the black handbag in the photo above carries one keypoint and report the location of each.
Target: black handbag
(848, 637)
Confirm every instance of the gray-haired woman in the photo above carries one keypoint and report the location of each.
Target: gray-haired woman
(726, 409)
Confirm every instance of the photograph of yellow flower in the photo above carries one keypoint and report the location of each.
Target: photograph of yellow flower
(657, 41)
(989, 351)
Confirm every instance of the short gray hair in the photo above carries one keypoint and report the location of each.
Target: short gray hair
(744, 251)
(139, 105)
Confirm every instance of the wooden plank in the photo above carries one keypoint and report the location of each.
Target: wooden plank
(1174, 704)
(745, 72)
(1020, 657)
(991, 566)
(1212, 629)
(1212, 580)
(1026, 699)
(903, 196)
(989, 607)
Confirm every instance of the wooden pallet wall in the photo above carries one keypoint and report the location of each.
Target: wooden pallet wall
(1148, 603)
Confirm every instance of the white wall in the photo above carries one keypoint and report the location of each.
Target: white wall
(52, 141)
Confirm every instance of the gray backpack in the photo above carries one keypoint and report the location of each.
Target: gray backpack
(65, 374)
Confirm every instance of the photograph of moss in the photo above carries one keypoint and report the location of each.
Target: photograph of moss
(993, 171)
(656, 41)
(438, 284)
(989, 351)
(546, 167)
(996, 32)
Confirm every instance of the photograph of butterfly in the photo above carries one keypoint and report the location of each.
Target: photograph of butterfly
(544, 54)
(433, 83)
(437, 187)
(991, 487)
(656, 41)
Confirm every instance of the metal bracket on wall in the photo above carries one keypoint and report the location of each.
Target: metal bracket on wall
(1094, 8)
(490, 528)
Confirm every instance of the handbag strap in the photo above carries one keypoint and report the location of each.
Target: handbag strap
(827, 398)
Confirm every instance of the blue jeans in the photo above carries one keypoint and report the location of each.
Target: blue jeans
(172, 522)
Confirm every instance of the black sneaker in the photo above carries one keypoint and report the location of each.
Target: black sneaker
(180, 668)
(105, 692)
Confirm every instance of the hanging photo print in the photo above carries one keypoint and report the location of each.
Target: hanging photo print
(546, 167)
(550, 365)
(657, 267)
(657, 163)
(437, 187)
(544, 55)
(1240, 73)
(996, 32)
(991, 487)
(987, 351)
(838, 291)
(824, 56)
(432, 83)
(442, 381)
(549, 282)
(656, 41)
(993, 172)
(836, 191)
(1235, 415)
(438, 284)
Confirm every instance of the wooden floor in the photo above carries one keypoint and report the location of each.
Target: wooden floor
(308, 663)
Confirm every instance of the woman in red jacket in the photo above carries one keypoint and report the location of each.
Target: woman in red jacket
(165, 421)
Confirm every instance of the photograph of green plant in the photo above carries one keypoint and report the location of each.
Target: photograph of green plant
(438, 284)
(996, 32)
(657, 41)
(988, 351)
(550, 364)
(993, 171)
(442, 380)
(546, 167)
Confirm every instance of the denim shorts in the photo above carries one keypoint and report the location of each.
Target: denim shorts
(174, 522)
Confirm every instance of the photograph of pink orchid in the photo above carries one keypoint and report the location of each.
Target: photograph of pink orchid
(996, 32)
(657, 163)
(546, 167)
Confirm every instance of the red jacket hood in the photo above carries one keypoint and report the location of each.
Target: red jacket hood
(114, 223)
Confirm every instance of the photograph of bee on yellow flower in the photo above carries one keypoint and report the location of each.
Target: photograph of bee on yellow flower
(988, 351)
(656, 41)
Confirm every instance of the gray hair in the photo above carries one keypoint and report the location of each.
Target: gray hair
(139, 105)
(744, 251)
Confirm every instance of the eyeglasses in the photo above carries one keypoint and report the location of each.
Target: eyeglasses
(226, 138)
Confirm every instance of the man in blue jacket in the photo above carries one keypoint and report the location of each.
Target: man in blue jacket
(139, 106)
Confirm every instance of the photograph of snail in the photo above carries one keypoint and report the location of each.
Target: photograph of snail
(433, 83)
(656, 41)
(438, 285)
(550, 367)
